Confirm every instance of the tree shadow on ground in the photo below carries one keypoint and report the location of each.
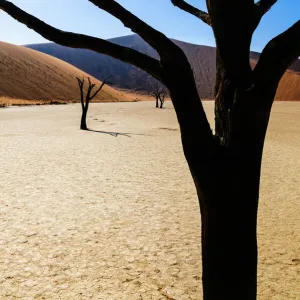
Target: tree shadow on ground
(116, 134)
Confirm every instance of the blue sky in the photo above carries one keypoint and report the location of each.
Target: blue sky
(82, 16)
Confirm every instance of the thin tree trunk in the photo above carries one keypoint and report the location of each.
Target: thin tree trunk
(161, 104)
(157, 106)
(83, 125)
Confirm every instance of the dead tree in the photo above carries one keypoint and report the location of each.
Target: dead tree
(225, 165)
(85, 101)
(162, 98)
(159, 92)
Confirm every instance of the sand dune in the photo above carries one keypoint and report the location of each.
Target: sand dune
(289, 87)
(202, 59)
(30, 75)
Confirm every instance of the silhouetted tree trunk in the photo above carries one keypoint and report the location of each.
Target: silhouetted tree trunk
(89, 96)
(226, 165)
(83, 125)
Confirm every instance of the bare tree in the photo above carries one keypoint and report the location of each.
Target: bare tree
(159, 92)
(162, 97)
(89, 96)
(225, 165)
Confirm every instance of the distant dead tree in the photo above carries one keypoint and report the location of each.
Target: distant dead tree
(159, 92)
(89, 96)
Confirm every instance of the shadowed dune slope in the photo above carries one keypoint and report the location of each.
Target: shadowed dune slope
(30, 75)
(202, 59)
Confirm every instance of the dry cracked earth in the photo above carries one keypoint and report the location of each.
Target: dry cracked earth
(112, 214)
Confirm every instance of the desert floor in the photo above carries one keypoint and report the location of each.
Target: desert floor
(113, 214)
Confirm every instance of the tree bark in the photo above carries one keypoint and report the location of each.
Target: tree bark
(227, 177)
(83, 125)
(229, 205)
(229, 246)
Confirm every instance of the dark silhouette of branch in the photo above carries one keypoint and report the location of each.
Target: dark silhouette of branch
(265, 5)
(278, 55)
(163, 45)
(202, 15)
(173, 63)
(105, 81)
(75, 40)
(81, 83)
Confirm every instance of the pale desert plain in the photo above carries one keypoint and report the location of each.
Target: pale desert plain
(112, 214)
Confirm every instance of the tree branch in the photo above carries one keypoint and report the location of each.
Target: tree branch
(173, 69)
(278, 55)
(202, 15)
(80, 84)
(163, 45)
(264, 6)
(104, 82)
(74, 40)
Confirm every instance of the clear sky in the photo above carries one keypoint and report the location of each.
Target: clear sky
(83, 17)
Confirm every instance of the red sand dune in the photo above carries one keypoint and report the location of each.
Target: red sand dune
(31, 75)
(289, 87)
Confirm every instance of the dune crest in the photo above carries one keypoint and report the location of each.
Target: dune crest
(31, 75)
(202, 59)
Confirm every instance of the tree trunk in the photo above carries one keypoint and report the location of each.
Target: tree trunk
(227, 177)
(83, 125)
(229, 246)
(229, 254)
(229, 203)
(157, 106)
(161, 104)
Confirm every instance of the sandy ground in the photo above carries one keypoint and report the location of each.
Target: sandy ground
(88, 215)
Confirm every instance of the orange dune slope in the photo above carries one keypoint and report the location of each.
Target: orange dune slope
(289, 86)
(31, 75)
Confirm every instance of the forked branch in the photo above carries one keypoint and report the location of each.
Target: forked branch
(202, 15)
(278, 55)
(163, 45)
(104, 82)
(172, 69)
(75, 40)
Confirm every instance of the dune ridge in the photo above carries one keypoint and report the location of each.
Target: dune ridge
(202, 59)
(26, 74)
